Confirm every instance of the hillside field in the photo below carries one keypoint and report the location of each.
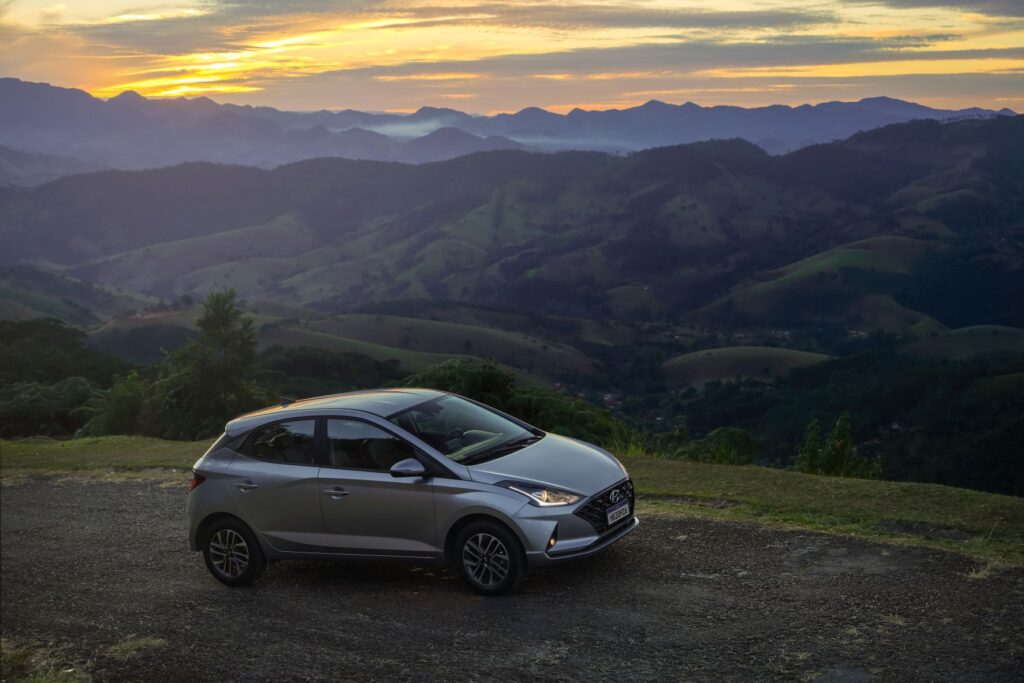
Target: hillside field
(757, 362)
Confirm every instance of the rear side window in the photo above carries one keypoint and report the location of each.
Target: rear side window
(289, 442)
(357, 445)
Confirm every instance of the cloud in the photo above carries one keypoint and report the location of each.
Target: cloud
(994, 8)
(682, 56)
(628, 15)
(395, 54)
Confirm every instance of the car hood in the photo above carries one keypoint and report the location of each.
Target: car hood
(555, 461)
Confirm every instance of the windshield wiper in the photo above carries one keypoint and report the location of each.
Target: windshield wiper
(503, 449)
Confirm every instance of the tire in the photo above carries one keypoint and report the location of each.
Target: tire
(489, 557)
(232, 553)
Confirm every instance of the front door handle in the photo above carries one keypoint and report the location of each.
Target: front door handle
(246, 485)
(336, 493)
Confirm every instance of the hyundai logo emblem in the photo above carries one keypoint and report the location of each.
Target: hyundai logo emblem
(615, 495)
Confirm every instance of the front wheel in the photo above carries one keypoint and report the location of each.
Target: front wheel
(232, 553)
(489, 558)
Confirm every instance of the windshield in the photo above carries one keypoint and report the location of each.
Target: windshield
(463, 431)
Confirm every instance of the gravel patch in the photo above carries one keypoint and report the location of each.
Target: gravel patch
(90, 567)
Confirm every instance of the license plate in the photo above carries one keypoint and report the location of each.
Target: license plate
(618, 511)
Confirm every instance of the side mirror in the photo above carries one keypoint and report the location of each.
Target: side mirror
(410, 467)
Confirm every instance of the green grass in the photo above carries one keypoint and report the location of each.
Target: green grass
(96, 454)
(983, 525)
(992, 525)
(759, 362)
(37, 663)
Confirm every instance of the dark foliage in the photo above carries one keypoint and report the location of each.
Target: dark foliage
(47, 350)
(302, 372)
(959, 423)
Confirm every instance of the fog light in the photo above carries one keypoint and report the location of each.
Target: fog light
(554, 538)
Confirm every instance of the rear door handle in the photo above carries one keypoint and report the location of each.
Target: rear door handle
(336, 493)
(246, 485)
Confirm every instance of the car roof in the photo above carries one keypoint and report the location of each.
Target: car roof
(379, 402)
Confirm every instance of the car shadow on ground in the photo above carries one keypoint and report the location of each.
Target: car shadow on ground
(388, 576)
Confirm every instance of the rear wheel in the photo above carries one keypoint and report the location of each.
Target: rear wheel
(489, 558)
(232, 553)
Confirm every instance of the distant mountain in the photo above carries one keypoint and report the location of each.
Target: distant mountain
(448, 143)
(24, 168)
(130, 131)
(911, 228)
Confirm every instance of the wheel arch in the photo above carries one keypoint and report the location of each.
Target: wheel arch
(202, 529)
(463, 522)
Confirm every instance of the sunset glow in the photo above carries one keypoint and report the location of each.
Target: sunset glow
(501, 57)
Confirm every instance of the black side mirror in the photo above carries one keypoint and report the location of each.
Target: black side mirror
(410, 467)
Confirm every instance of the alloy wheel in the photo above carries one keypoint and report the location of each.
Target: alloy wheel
(486, 559)
(229, 553)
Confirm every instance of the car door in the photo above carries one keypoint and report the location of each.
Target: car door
(274, 482)
(365, 509)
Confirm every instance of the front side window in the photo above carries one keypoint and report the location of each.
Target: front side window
(357, 445)
(462, 430)
(288, 442)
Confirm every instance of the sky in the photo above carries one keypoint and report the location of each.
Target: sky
(484, 57)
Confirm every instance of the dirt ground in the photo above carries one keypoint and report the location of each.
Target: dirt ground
(101, 574)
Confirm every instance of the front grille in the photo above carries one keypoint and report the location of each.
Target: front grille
(595, 510)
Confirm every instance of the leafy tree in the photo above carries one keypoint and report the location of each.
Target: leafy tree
(30, 408)
(809, 457)
(837, 455)
(117, 410)
(211, 379)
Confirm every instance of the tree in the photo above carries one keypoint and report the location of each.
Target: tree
(809, 458)
(117, 410)
(837, 456)
(211, 379)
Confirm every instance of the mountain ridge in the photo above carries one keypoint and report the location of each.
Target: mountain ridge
(131, 131)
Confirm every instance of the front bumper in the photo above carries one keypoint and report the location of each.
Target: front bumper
(580, 530)
(543, 559)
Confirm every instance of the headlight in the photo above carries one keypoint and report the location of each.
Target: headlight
(542, 495)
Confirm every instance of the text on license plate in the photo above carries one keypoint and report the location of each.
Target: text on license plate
(618, 511)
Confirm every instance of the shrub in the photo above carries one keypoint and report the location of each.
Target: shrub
(117, 410)
(28, 408)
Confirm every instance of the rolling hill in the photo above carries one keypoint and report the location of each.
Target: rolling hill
(756, 362)
(863, 233)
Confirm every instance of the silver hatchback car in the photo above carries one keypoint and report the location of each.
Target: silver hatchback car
(403, 473)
